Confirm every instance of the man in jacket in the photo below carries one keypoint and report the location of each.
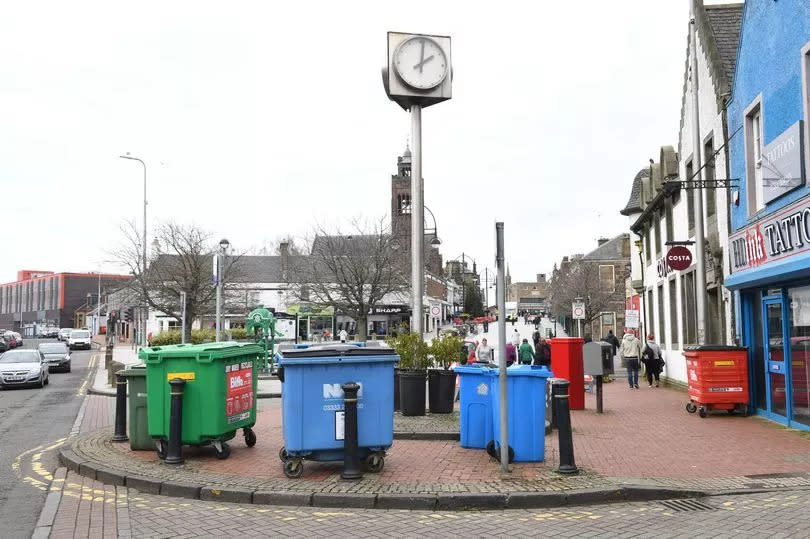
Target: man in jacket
(630, 351)
(525, 353)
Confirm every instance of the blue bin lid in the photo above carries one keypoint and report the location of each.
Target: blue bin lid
(540, 371)
(336, 353)
(472, 369)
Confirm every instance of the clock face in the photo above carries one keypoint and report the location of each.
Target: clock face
(421, 63)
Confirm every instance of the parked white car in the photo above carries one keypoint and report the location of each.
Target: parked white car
(79, 338)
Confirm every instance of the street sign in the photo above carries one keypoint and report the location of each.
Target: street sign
(679, 257)
(631, 318)
(435, 310)
(578, 310)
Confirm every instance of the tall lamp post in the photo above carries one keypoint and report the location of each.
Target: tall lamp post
(142, 332)
(223, 248)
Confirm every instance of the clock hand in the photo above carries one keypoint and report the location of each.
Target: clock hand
(423, 62)
(421, 56)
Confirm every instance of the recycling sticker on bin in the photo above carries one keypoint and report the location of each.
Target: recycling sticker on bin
(239, 391)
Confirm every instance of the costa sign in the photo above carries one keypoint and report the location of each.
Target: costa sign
(679, 258)
(782, 235)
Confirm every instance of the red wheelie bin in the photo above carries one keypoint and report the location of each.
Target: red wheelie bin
(718, 378)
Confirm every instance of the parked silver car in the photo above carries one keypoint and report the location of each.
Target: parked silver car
(56, 355)
(23, 368)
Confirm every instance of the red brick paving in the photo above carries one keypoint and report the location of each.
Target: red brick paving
(643, 433)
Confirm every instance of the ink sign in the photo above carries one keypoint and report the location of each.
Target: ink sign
(776, 237)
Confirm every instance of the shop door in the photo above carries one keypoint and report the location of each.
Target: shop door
(774, 331)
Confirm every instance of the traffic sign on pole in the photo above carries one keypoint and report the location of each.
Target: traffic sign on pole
(578, 310)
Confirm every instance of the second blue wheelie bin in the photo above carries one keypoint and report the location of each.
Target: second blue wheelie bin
(312, 403)
(475, 405)
(526, 410)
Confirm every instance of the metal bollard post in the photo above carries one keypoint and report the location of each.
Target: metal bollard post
(556, 389)
(120, 409)
(567, 465)
(599, 394)
(174, 452)
(351, 459)
(108, 356)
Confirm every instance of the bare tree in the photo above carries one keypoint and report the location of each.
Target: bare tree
(579, 279)
(351, 271)
(181, 261)
(274, 247)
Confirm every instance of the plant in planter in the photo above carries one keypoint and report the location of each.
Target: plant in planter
(442, 380)
(413, 364)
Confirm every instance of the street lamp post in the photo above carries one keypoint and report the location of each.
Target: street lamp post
(143, 269)
(223, 247)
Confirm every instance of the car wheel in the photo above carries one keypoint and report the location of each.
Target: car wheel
(41, 381)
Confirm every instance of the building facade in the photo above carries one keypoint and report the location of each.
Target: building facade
(770, 210)
(661, 207)
(39, 299)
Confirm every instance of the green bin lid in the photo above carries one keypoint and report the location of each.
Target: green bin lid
(208, 351)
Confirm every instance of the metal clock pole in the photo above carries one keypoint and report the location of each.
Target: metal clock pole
(417, 220)
(501, 300)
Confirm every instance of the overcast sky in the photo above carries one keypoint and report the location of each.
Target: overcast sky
(258, 118)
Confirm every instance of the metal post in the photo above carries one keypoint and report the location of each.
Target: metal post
(218, 322)
(183, 318)
(417, 221)
(174, 452)
(700, 241)
(501, 299)
(98, 307)
(351, 458)
(564, 435)
(579, 328)
(120, 409)
(486, 288)
(598, 393)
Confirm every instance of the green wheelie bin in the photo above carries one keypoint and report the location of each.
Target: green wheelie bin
(219, 396)
(139, 439)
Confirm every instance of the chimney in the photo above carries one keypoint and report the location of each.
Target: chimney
(541, 277)
(284, 249)
(602, 241)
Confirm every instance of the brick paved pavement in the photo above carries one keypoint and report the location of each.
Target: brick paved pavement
(139, 515)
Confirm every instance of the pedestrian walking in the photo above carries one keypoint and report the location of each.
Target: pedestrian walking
(542, 353)
(511, 354)
(515, 339)
(653, 361)
(343, 335)
(611, 339)
(630, 351)
(484, 352)
(525, 353)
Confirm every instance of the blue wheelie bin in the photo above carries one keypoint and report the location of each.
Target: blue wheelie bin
(312, 403)
(526, 390)
(475, 406)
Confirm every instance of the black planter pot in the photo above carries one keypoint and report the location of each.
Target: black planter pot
(441, 390)
(396, 389)
(412, 392)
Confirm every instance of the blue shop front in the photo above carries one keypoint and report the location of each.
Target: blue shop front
(769, 248)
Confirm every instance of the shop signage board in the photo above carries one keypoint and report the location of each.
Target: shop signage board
(679, 258)
(784, 234)
(631, 318)
(782, 163)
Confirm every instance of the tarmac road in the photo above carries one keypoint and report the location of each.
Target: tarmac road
(31, 420)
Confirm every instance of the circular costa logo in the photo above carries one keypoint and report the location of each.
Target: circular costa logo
(679, 258)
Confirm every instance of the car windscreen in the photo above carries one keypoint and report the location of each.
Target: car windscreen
(80, 334)
(22, 356)
(53, 348)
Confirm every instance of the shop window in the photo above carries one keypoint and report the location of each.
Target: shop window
(607, 278)
(674, 334)
(753, 156)
(690, 200)
(689, 309)
(661, 336)
(709, 174)
(658, 218)
(800, 351)
(756, 344)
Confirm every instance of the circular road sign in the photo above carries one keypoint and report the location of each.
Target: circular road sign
(435, 310)
(579, 311)
(679, 258)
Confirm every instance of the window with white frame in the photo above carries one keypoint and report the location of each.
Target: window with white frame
(753, 156)
(607, 278)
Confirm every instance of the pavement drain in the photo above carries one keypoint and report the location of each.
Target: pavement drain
(681, 506)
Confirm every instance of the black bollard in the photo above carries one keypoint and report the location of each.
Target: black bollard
(351, 459)
(567, 465)
(599, 394)
(120, 409)
(174, 453)
(556, 389)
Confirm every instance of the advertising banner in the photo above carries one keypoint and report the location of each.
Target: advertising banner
(239, 391)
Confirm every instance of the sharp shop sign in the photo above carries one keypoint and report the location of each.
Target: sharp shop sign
(785, 234)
